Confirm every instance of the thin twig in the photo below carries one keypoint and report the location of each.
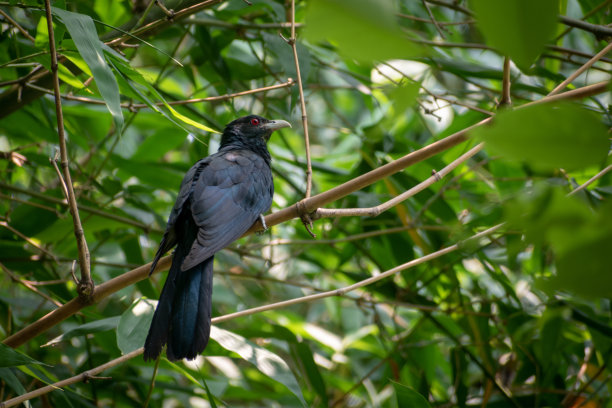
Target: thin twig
(591, 180)
(237, 26)
(434, 95)
(27, 239)
(154, 25)
(293, 43)
(452, 6)
(86, 285)
(169, 13)
(290, 82)
(580, 70)
(479, 46)
(591, 12)
(374, 211)
(441, 23)
(29, 285)
(596, 29)
(59, 176)
(506, 100)
(17, 26)
(433, 19)
(30, 203)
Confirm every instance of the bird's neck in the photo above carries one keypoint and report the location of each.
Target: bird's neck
(240, 143)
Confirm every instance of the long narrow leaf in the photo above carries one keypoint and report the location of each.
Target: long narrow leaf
(85, 37)
(267, 362)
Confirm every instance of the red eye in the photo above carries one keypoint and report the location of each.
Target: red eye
(254, 121)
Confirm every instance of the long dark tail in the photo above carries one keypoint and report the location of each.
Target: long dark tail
(182, 317)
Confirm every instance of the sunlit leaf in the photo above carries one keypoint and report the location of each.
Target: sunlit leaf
(366, 30)
(267, 362)
(109, 323)
(85, 37)
(134, 325)
(519, 29)
(548, 136)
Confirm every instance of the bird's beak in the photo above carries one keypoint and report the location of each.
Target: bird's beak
(276, 124)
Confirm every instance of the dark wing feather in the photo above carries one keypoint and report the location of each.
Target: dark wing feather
(229, 195)
(169, 239)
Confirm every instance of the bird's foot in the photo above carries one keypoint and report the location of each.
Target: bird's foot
(263, 224)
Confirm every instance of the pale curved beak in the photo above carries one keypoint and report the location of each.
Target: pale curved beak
(277, 124)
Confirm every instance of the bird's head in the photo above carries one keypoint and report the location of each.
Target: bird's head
(252, 128)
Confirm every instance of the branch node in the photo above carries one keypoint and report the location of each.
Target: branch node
(305, 216)
(436, 175)
(289, 41)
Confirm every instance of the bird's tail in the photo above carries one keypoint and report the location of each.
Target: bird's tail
(182, 317)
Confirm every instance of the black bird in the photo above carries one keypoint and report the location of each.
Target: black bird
(220, 198)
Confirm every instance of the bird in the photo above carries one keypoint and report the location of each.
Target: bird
(220, 198)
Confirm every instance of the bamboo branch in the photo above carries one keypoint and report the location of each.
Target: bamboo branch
(86, 285)
(17, 26)
(238, 26)
(377, 210)
(293, 43)
(580, 70)
(433, 20)
(506, 100)
(290, 82)
(598, 30)
(591, 180)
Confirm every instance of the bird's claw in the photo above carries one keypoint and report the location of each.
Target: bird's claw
(263, 224)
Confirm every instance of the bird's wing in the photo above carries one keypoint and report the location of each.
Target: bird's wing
(169, 239)
(228, 197)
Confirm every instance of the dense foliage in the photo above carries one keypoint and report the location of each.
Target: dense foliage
(518, 316)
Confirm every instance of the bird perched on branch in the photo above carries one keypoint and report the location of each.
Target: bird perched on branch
(220, 198)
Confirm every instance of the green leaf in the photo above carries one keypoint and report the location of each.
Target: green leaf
(365, 30)
(134, 325)
(408, 397)
(580, 238)
(155, 175)
(404, 96)
(548, 136)
(267, 362)
(158, 144)
(11, 380)
(10, 357)
(138, 78)
(551, 335)
(519, 29)
(85, 37)
(93, 327)
(580, 268)
(304, 354)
